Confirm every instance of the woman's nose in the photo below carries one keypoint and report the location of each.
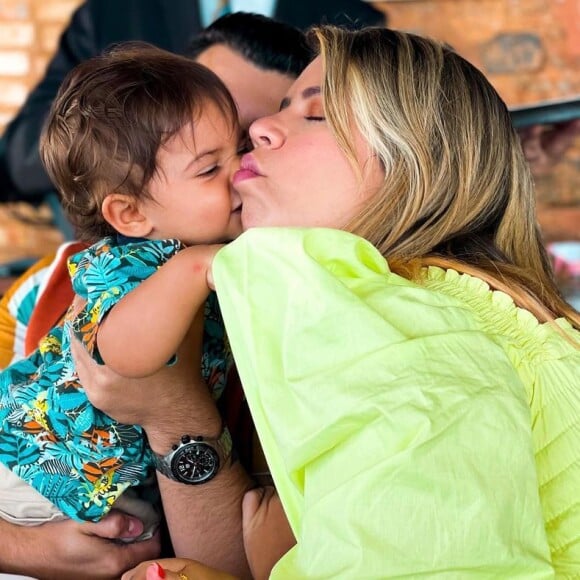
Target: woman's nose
(266, 132)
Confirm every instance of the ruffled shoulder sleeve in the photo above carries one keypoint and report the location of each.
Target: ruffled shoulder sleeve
(547, 360)
(397, 432)
(105, 273)
(556, 429)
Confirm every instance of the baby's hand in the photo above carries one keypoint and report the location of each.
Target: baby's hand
(267, 534)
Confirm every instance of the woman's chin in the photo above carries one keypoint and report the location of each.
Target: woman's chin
(263, 219)
(250, 221)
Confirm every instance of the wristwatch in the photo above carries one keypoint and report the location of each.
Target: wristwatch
(195, 460)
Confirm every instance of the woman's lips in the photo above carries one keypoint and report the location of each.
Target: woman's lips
(243, 174)
(248, 170)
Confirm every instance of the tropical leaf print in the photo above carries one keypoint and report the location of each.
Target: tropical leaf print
(56, 467)
(127, 434)
(14, 452)
(50, 435)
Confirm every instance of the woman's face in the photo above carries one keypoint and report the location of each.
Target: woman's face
(297, 175)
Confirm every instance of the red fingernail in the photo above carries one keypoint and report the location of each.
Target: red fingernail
(155, 571)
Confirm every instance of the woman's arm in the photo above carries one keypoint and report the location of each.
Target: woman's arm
(397, 430)
(69, 550)
(145, 328)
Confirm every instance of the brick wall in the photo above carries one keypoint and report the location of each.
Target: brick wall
(29, 32)
(530, 51)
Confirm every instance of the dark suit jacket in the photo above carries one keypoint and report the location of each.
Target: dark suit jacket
(95, 25)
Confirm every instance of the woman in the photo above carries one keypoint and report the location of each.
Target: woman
(422, 460)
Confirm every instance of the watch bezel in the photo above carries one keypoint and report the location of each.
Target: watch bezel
(185, 449)
(168, 466)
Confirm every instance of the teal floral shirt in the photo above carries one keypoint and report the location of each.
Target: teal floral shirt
(50, 435)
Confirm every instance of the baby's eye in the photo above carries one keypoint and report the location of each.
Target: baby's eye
(208, 170)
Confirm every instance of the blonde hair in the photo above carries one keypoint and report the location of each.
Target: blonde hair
(457, 190)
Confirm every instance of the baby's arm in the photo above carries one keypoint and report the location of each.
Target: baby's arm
(145, 328)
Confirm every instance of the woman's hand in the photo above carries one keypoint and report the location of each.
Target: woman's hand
(267, 534)
(175, 569)
(69, 550)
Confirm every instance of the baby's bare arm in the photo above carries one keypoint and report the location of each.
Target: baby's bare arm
(146, 327)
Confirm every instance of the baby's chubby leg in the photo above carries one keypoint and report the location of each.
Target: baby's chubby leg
(267, 534)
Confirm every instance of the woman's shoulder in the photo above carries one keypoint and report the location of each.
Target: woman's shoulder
(498, 316)
(347, 269)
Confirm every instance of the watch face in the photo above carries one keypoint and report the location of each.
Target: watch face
(195, 462)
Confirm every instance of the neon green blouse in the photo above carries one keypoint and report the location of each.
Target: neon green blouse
(412, 430)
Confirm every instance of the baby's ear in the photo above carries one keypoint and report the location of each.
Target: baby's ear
(123, 213)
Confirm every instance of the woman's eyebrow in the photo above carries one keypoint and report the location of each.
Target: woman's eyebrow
(305, 94)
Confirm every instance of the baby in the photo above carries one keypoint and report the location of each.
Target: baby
(141, 145)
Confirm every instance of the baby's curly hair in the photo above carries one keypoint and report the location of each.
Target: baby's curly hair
(109, 119)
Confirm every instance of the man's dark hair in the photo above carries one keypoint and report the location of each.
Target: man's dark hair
(267, 43)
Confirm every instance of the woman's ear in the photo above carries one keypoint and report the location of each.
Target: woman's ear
(123, 213)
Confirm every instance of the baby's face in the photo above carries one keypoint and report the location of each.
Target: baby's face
(192, 198)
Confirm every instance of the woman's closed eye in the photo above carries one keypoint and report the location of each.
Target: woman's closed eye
(315, 118)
